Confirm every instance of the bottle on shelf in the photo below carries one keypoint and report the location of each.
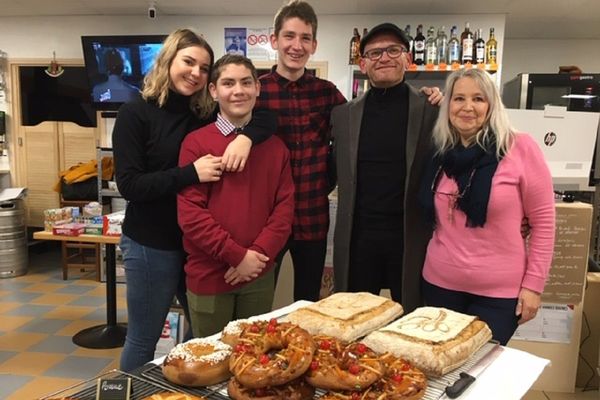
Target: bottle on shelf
(410, 38)
(466, 41)
(419, 47)
(430, 47)
(441, 43)
(453, 47)
(491, 49)
(479, 51)
(354, 48)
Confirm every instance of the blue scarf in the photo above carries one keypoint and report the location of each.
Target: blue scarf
(472, 168)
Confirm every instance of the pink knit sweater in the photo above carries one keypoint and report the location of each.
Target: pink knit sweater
(494, 260)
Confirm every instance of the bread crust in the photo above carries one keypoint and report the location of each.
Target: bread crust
(271, 354)
(402, 381)
(198, 362)
(173, 396)
(346, 316)
(338, 365)
(295, 390)
(434, 357)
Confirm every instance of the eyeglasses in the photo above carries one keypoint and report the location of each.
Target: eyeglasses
(452, 197)
(393, 51)
(455, 195)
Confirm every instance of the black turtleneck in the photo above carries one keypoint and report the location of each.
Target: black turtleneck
(146, 140)
(381, 167)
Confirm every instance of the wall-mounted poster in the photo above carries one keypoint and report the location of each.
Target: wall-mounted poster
(235, 41)
(259, 44)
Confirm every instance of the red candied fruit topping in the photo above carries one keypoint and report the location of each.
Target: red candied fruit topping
(355, 396)
(239, 348)
(405, 367)
(397, 378)
(260, 392)
(354, 369)
(325, 345)
(273, 321)
(264, 359)
(361, 348)
(254, 328)
(271, 328)
(314, 365)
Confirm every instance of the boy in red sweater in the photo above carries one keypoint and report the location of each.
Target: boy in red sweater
(233, 228)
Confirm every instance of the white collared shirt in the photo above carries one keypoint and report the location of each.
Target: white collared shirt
(226, 127)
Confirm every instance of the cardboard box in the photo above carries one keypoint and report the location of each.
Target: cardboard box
(590, 338)
(565, 286)
(566, 280)
(112, 223)
(72, 229)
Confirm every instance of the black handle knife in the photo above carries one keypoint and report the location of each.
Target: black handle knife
(461, 384)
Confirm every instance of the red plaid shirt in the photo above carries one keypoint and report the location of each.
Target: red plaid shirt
(304, 107)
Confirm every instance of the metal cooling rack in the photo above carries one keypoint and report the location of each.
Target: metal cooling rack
(435, 386)
(86, 390)
(217, 392)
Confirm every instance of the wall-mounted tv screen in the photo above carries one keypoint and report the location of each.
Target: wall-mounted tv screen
(116, 66)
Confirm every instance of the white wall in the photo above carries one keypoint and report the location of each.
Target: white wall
(545, 56)
(38, 37)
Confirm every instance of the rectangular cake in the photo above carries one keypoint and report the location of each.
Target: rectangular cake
(346, 316)
(436, 340)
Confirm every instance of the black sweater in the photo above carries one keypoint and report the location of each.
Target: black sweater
(146, 140)
(381, 166)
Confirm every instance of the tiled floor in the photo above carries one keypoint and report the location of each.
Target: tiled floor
(39, 313)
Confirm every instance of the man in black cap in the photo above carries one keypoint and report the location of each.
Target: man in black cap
(381, 141)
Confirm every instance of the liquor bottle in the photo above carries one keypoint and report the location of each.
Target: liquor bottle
(491, 49)
(419, 46)
(354, 48)
(430, 47)
(466, 41)
(2, 143)
(365, 31)
(453, 47)
(480, 48)
(410, 39)
(441, 42)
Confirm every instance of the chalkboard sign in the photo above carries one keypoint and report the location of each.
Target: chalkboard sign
(113, 389)
(571, 246)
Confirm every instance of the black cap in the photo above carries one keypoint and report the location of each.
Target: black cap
(386, 27)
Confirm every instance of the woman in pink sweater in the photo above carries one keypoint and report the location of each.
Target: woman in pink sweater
(483, 180)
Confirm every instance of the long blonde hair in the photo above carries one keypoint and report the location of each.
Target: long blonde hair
(496, 122)
(158, 80)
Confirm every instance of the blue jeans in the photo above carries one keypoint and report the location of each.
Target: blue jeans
(154, 278)
(498, 313)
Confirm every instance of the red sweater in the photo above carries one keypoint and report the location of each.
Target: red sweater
(253, 209)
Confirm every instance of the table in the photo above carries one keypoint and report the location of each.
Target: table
(509, 377)
(111, 334)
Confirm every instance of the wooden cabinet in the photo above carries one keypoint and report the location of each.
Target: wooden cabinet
(42, 151)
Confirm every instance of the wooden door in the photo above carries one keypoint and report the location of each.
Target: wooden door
(39, 152)
(76, 144)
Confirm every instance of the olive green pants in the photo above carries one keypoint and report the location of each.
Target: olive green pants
(210, 313)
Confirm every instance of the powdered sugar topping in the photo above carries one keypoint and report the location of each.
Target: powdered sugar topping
(210, 351)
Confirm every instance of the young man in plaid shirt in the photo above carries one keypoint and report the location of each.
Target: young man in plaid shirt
(303, 103)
